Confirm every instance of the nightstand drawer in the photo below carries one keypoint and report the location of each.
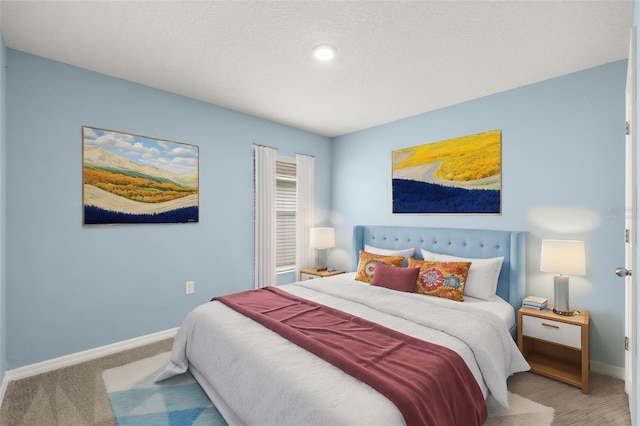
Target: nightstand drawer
(552, 331)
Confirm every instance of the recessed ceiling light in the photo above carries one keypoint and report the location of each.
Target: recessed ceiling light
(324, 52)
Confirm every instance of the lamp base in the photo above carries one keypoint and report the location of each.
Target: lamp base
(567, 313)
(321, 259)
(561, 295)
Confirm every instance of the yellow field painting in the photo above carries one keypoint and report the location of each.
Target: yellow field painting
(130, 179)
(460, 175)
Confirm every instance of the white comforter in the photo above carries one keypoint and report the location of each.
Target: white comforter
(265, 379)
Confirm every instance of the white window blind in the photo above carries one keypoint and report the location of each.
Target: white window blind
(285, 214)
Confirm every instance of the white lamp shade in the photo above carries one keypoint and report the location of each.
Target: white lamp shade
(322, 238)
(563, 257)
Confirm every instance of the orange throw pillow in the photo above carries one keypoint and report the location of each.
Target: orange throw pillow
(441, 279)
(367, 264)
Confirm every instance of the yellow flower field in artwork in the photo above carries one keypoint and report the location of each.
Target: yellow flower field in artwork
(463, 159)
(136, 188)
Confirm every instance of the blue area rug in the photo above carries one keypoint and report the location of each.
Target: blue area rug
(138, 401)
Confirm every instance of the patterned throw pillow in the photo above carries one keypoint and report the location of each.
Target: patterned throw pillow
(441, 279)
(482, 280)
(367, 264)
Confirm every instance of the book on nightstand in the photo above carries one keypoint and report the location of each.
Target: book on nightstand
(534, 302)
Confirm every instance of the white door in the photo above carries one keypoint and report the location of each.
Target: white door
(631, 228)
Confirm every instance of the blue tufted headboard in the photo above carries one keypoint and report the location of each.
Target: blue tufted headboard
(474, 243)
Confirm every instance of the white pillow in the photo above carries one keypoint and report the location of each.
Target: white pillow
(407, 253)
(482, 281)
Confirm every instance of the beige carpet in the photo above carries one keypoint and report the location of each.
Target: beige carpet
(76, 396)
(606, 403)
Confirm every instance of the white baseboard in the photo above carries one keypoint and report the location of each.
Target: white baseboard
(3, 388)
(78, 357)
(608, 370)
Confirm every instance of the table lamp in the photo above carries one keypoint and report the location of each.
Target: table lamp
(562, 257)
(321, 239)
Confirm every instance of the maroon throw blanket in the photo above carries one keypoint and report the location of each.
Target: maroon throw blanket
(430, 384)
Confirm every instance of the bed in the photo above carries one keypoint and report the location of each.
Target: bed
(255, 376)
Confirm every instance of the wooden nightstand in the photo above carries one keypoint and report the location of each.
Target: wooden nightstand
(314, 273)
(556, 346)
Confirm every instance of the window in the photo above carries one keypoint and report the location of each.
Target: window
(285, 214)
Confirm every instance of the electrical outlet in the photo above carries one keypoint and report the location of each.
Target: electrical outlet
(189, 287)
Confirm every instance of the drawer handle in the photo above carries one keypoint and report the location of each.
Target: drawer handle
(550, 325)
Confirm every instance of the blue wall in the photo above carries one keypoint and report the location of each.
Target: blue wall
(3, 186)
(73, 288)
(563, 177)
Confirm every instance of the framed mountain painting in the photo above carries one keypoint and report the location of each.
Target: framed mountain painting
(454, 176)
(137, 179)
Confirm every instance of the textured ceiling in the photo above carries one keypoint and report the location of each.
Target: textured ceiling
(395, 58)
